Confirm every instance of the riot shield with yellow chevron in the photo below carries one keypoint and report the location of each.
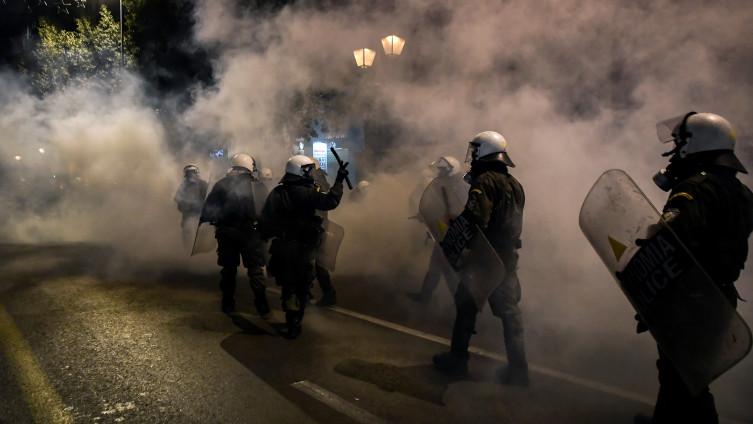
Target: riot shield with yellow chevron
(693, 323)
(480, 268)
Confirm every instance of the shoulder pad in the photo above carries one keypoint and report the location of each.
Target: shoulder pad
(690, 185)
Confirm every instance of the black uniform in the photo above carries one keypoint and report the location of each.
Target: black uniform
(711, 211)
(290, 216)
(322, 275)
(231, 208)
(189, 199)
(495, 203)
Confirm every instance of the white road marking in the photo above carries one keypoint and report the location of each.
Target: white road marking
(337, 403)
(595, 385)
(549, 372)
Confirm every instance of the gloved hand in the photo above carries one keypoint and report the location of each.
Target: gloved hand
(342, 173)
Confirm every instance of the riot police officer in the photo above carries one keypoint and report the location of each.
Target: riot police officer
(289, 215)
(189, 199)
(450, 176)
(711, 212)
(231, 208)
(495, 204)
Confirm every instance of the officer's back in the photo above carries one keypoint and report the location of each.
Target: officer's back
(290, 211)
(232, 200)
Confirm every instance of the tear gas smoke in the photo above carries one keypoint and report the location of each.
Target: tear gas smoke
(575, 86)
(105, 175)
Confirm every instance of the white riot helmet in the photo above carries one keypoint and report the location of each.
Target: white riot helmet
(447, 165)
(695, 133)
(266, 174)
(242, 160)
(190, 169)
(489, 146)
(300, 165)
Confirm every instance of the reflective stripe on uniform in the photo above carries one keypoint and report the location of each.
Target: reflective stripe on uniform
(681, 194)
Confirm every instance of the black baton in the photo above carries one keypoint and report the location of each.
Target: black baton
(340, 162)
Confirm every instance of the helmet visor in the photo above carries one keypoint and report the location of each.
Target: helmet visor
(472, 153)
(667, 130)
(307, 169)
(507, 161)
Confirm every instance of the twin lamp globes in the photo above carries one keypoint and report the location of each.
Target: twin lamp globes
(392, 45)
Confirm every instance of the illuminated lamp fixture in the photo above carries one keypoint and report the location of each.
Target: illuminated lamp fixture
(364, 57)
(393, 45)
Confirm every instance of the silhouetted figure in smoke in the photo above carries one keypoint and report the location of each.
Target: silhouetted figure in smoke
(231, 208)
(267, 178)
(495, 204)
(329, 295)
(711, 212)
(450, 177)
(290, 217)
(189, 198)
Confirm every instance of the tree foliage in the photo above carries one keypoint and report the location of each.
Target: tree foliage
(89, 53)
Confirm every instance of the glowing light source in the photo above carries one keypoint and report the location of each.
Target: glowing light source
(17, 157)
(393, 45)
(41, 150)
(364, 57)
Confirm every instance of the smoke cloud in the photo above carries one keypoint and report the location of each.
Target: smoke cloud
(575, 86)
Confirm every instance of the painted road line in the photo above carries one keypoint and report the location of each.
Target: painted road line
(337, 403)
(549, 372)
(44, 402)
(595, 385)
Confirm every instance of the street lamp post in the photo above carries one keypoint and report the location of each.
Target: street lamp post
(122, 56)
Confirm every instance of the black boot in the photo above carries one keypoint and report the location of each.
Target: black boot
(293, 322)
(451, 364)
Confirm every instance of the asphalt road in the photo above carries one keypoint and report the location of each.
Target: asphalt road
(85, 341)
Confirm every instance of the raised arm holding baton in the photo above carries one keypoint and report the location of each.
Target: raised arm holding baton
(343, 167)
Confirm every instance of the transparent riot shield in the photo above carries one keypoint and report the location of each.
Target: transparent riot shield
(691, 320)
(442, 200)
(481, 270)
(326, 255)
(204, 241)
